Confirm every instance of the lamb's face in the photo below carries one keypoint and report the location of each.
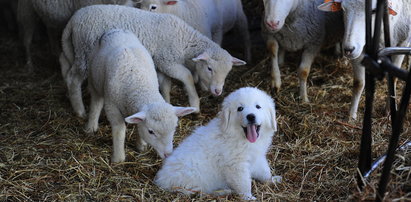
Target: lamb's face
(212, 69)
(159, 6)
(158, 128)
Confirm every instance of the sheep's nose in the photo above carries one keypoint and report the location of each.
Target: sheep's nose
(218, 91)
(273, 24)
(251, 118)
(348, 50)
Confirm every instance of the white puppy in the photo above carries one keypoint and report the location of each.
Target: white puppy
(228, 152)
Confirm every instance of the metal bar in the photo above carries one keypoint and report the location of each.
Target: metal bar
(387, 66)
(377, 28)
(364, 161)
(394, 51)
(397, 129)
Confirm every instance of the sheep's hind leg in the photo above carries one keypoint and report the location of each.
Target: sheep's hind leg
(307, 59)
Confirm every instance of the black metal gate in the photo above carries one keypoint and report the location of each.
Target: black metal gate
(378, 64)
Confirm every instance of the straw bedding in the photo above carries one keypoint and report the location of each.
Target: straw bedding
(46, 155)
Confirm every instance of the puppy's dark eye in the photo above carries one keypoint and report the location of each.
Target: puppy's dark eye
(151, 132)
(240, 109)
(257, 106)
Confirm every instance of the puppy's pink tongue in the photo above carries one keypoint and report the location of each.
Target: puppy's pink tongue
(252, 133)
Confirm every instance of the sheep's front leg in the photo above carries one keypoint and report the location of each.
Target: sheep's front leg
(184, 75)
(96, 104)
(307, 59)
(359, 83)
(273, 48)
(165, 86)
(73, 81)
(118, 131)
(238, 178)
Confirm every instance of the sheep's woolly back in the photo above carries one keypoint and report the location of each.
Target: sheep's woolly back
(166, 37)
(57, 13)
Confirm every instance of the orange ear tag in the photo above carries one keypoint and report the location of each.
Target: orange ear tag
(330, 6)
(390, 10)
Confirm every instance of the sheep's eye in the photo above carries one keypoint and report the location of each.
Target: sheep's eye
(240, 109)
(258, 106)
(153, 7)
(209, 69)
(151, 132)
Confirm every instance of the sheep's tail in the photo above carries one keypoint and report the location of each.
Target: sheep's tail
(67, 43)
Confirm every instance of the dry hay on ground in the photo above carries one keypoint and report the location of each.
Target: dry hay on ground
(46, 155)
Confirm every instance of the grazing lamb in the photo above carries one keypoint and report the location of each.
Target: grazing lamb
(224, 155)
(212, 18)
(54, 14)
(354, 38)
(306, 28)
(170, 41)
(122, 77)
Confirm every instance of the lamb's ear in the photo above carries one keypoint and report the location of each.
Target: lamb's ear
(273, 119)
(330, 6)
(171, 2)
(136, 118)
(203, 56)
(225, 116)
(237, 62)
(182, 111)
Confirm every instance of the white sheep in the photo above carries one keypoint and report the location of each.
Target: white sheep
(212, 18)
(54, 14)
(122, 77)
(354, 39)
(298, 25)
(170, 41)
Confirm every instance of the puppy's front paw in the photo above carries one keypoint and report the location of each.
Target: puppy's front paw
(248, 197)
(276, 179)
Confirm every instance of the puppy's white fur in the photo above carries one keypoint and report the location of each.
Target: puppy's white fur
(218, 158)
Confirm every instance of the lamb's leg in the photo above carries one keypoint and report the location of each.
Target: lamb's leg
(359, 83)
(307, 59)
(281, 54)
(96, 104)
(273, 48)
(218, 35)
(73, 81)
(397, 61)
(165, 86)
(119, 132)
(238, 178)
(27, 20)
(242, 27)
(184, 75)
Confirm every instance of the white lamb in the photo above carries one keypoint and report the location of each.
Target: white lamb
(172, 43)
(212, 18)
(295, 25)
(54, 14)
(224, 155)
(122, 77)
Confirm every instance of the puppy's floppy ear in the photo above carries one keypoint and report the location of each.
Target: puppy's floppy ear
(225, 116)
(273, 118)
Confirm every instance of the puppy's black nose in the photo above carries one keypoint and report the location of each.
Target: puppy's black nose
(251, 118)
